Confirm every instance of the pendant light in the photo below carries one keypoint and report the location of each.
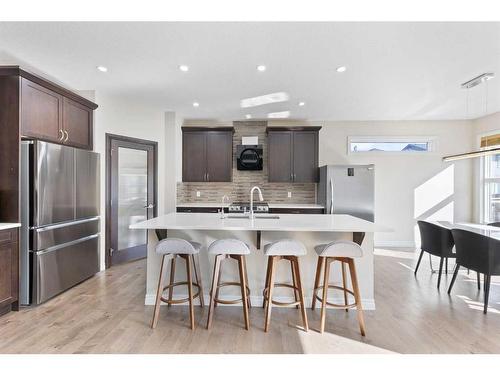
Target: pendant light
(467, 86)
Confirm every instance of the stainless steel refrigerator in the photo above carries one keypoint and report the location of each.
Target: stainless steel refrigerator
(60, 219)
(347, 189)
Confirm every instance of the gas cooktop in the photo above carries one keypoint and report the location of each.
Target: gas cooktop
(245, 207)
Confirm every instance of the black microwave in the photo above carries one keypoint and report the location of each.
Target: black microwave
(249, 157)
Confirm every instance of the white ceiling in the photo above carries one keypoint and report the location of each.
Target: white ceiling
(395, 71)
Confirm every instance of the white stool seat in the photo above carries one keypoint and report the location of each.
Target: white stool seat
(339, 248)
(177, 246)
(285, 248)
(229, 246)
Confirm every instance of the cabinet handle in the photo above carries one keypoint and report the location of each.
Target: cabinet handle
(61, 135)
(67, 136)
(208, 177)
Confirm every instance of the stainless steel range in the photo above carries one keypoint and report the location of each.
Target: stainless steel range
(244, 207)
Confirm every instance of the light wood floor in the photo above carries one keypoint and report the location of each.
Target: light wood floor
(106, 314)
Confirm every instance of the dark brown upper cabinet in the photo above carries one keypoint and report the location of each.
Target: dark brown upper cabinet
(41, 112)
(293, 154)
(52, 113)
(77, 124)
(207, 154)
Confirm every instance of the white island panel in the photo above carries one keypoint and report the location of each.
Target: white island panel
(309, 229)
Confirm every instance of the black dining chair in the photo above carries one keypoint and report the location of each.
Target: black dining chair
(436, 240)
(478, 253)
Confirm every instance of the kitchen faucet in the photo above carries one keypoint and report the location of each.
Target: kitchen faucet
(251, 199)
(224, 197)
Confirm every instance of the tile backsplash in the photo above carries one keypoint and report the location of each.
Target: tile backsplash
(239, 188)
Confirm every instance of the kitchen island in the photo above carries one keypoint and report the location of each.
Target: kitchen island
(265, 228)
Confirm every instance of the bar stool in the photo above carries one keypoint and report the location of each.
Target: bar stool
(284, 250)
(186, 250)
(232, 249)
(344, 252)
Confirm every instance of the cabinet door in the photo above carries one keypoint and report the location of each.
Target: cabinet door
(219, 156)
(41, 112)
(77, 124)
(194, 162)
(8, 267)
(305, 156)
(280, 156)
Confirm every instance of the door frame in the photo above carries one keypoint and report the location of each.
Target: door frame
(115, 137)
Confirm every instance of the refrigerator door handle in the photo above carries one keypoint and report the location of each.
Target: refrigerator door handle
(331, 196)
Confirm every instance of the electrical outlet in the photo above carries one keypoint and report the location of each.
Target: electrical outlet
(198, 194)
(289, 194)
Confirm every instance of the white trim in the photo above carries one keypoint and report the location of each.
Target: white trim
(394, 244)
(431, 140)
(256, 301)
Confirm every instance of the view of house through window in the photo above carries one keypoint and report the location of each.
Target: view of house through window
(377, 144)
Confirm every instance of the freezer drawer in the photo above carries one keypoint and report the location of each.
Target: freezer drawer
(61, 267)
(46, 237)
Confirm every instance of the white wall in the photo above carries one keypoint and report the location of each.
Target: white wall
(127, 117)
(408, 186)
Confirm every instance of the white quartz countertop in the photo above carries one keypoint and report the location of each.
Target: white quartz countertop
(271, 205)
(286, 222)
(9, 225)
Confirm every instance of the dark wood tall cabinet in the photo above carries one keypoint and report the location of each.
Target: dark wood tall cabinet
(293, 154)
(35, 108)
(207, 154)
(9, 269)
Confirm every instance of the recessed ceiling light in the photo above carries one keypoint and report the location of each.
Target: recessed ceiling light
(102, 69)
(301, 104)
(283, 114)
(248, 116)
(276, 97)
(341, 69)
(183, 68)
(261, 68)
(196, 104)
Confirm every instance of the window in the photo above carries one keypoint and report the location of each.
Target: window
(389, 144)
(491, 179)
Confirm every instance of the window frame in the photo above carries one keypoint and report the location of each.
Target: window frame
(483, 180)
(430, 140)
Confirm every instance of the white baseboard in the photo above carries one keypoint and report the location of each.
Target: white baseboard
(394, 244)
(368, 304)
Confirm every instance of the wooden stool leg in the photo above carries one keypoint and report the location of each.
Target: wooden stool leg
(266, 283)
(294, 281)
(357, 296)
(219, 277)
(316, 280)
(272, 259)
(325, 294)
(159, 292)
(246, 281)
(172, 278)
(346, 300)
(197, 275)
(243, 283)
(190, 290)
(215, 278)
(300, 293)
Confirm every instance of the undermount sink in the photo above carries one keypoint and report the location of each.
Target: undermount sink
(255, 217)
